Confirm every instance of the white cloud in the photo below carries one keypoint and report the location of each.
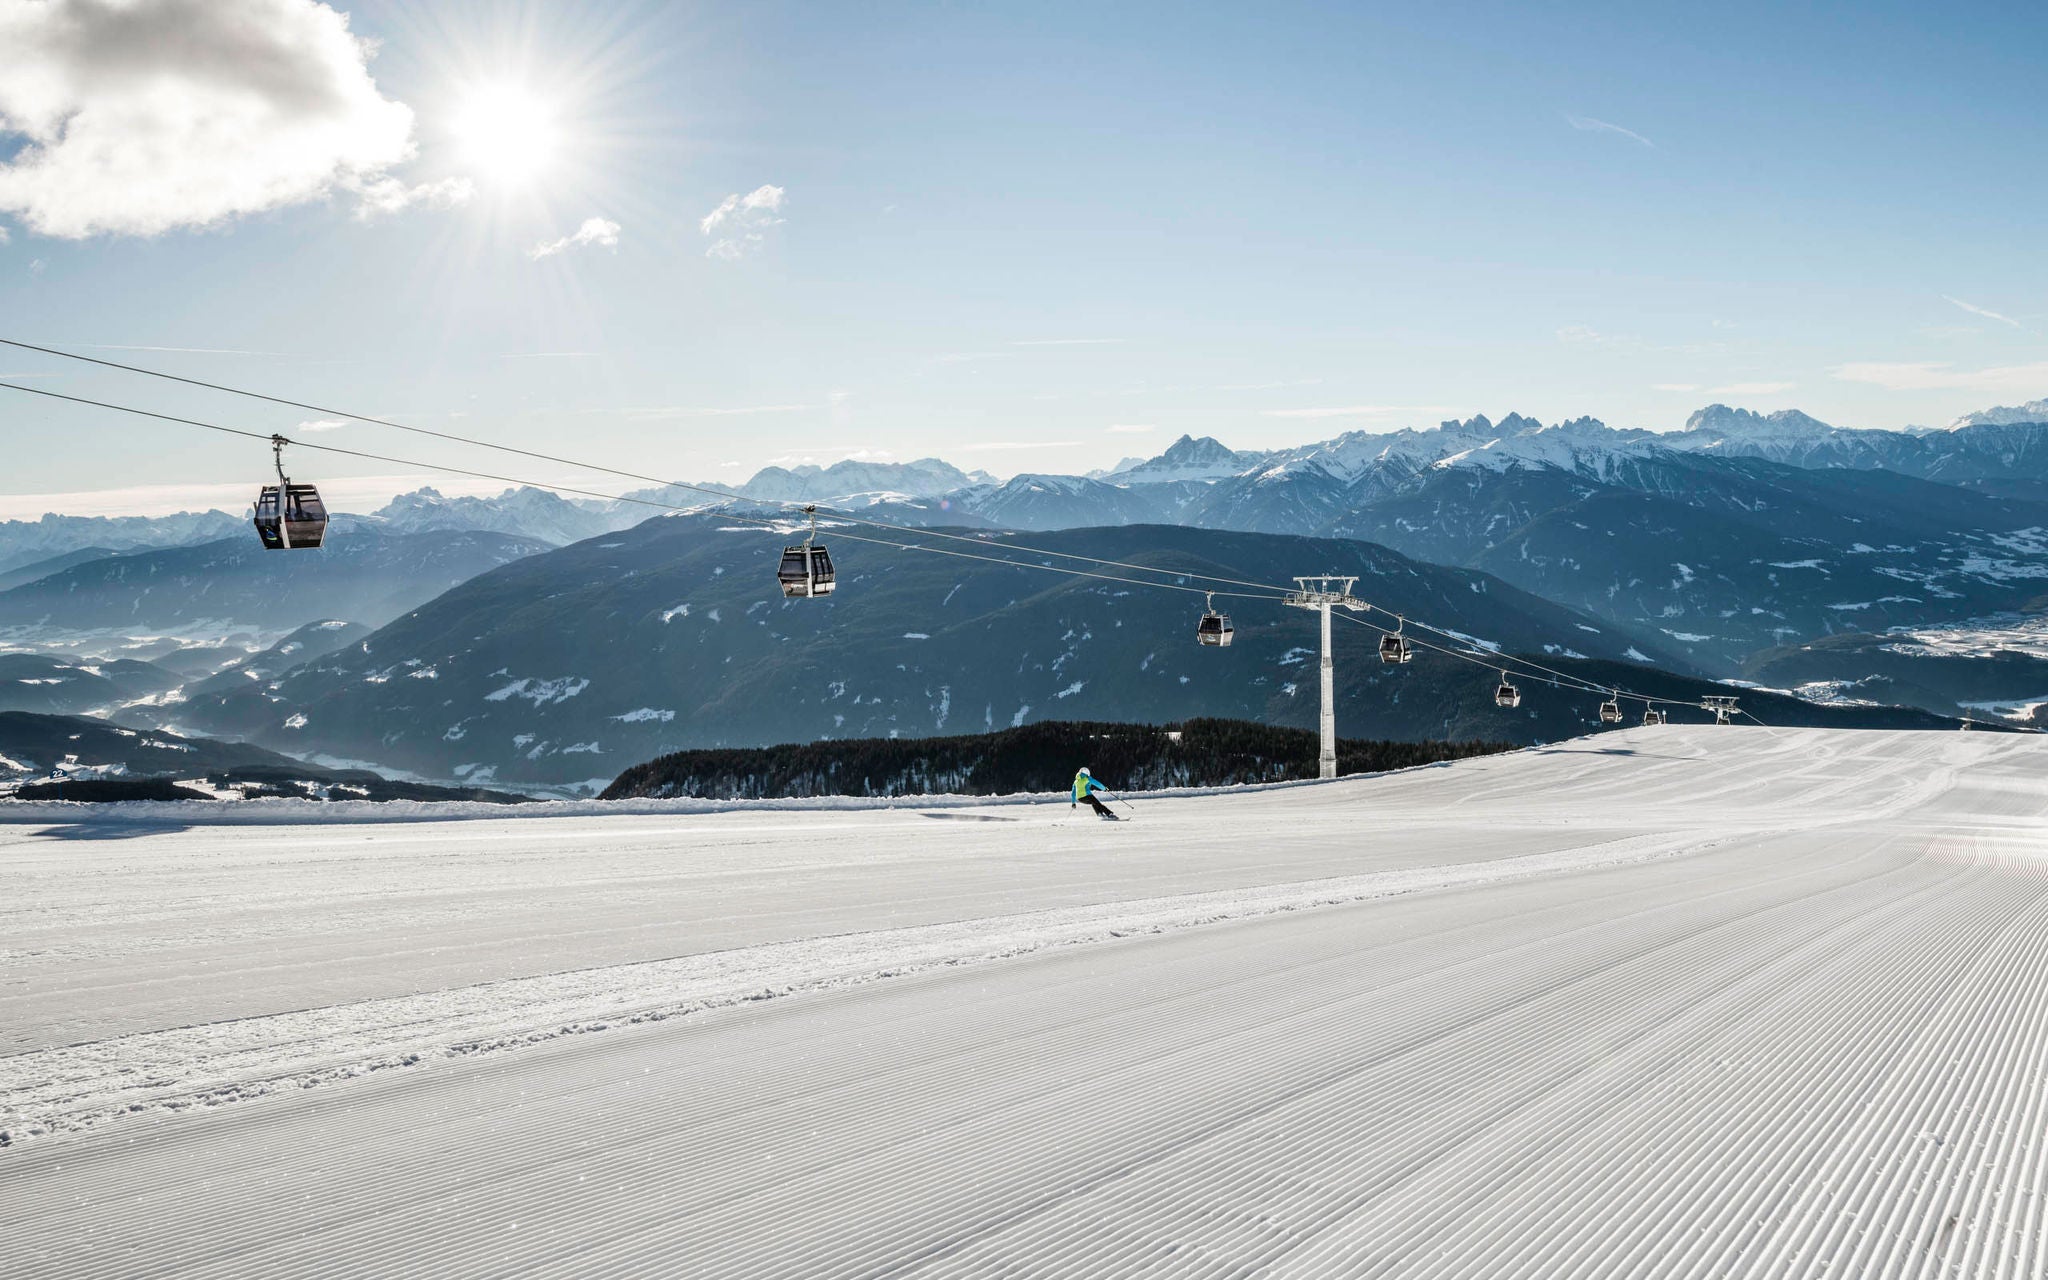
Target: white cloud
(741, 221)
(1754, 388)
(1358, 411)
(1130, 428)
(1986, 312)
(143, 117)
(320, 424)
(1588, 124)
(598, 231)
(392, 195)
(1674, 386)
(2027, 379)
(1068, 342)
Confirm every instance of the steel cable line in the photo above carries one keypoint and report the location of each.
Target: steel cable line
(1502, 662)
(1578, 684)
(1530, 664)
(707, 490)
(1271, 591)
(645, 502)
(1267, 590)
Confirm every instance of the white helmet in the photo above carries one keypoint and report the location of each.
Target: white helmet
(1084, 771)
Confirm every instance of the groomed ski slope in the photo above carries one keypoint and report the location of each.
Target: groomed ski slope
(1681, 1001)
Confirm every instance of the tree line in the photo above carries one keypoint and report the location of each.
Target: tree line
(1037, 757)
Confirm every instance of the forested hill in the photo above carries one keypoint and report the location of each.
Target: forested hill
(561, 669)
(1032, 758)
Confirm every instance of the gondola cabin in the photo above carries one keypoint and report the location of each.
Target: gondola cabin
(1610, 712)
(1394, 649)
(290, 517)
(1652, 716)
(1215, 629)
(1507, 695)
(806, 571)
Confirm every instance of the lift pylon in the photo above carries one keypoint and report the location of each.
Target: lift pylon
(1324, 593)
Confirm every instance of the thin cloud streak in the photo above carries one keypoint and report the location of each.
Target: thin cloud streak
(189, 351)
(1754, 388)
(1928, 375)
(1268, 386)
(1587, 124)
(1008, 445)
(1358, 411)
(689, 411)
(1068, 342)
(1986, 312)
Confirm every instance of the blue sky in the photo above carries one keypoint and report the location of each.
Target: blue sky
(1022, 237)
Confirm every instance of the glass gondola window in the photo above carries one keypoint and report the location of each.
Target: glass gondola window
(1214, 628)
(289, 516)
(806, 569)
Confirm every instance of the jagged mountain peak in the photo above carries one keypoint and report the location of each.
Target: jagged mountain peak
(1202, 458)
(1189, 449)
(2004, 415)
(1721, 419)
(923, 478)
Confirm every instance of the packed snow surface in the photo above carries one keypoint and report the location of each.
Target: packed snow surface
(1683, 1001)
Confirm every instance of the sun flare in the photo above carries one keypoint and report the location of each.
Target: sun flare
(506, 133)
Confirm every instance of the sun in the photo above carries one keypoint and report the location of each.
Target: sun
(506, 134)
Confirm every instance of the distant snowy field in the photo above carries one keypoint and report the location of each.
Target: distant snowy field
(1978, 639)
(1696, 1001)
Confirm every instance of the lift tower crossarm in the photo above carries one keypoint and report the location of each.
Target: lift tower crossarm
(1323, 594)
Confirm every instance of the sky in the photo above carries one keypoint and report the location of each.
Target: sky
(694, 240)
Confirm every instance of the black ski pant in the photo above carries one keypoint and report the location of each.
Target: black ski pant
(1096, 805)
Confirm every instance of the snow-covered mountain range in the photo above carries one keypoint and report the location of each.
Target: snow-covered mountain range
(1741, 532)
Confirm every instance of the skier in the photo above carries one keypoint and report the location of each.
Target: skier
(1085, 787)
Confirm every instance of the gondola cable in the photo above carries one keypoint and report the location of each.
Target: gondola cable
(707, 490)
(761, 521)
(1268, 590)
